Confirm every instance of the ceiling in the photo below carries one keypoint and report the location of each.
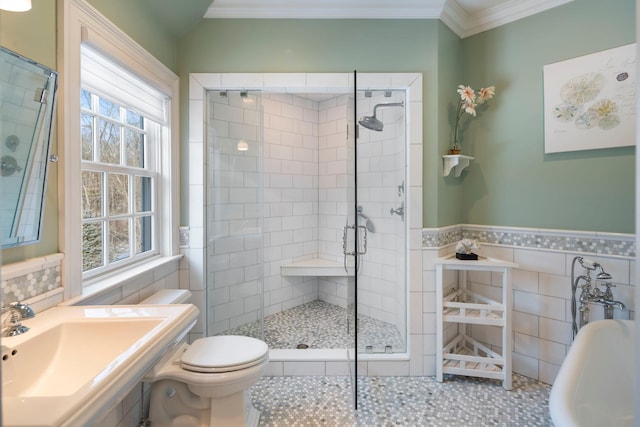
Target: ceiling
(464, 17)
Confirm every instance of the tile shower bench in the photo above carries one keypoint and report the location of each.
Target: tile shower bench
(314, 267)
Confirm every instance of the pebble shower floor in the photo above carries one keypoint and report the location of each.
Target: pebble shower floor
(401, 401)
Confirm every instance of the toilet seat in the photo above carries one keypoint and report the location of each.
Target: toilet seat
(225, 353)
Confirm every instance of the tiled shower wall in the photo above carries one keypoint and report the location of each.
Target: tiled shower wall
(333, 192)
(382, 187)
(287, 164)
(306, 182)
(291, 197)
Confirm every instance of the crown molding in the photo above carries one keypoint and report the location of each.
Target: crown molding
(493, 17)
(450, 12)
(216, 10)
(455, 17)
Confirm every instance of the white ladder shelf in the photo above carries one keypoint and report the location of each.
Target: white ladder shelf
(457, 307)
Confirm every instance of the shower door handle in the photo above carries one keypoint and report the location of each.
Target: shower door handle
(357, 246)
(364, 241)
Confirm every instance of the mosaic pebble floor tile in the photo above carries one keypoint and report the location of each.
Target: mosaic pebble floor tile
(400, 401)
(319, 324)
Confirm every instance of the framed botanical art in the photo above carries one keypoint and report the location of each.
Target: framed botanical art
(590, 101)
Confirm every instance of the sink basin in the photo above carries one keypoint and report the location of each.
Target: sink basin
(77, 363)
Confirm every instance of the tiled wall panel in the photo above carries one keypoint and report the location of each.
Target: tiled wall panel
(541, 318)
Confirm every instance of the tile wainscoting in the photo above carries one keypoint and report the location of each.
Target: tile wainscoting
(541, 286)
(37, 281)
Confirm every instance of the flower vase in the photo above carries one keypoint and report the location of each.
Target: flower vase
(455, 148)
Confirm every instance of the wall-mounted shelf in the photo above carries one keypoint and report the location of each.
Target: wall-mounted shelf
(456, 162)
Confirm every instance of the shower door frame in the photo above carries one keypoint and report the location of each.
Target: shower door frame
(199, 83)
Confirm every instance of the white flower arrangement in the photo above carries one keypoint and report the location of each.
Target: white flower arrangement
(468, 103)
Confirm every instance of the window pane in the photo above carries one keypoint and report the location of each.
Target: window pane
(85, 100)
(118, 194)
(134, 119)
(109, 142)
(143, 194)
(135, 148)
(143, 234)
(109, 109)
(86, 123)
(91, 194)
(91, 245)
(118, 240)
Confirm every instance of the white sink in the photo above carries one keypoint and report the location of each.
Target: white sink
(77, 363)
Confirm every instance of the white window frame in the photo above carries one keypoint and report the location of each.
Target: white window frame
(81, 23)
(153, 135)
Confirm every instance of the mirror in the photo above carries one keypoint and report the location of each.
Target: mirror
(27, 106)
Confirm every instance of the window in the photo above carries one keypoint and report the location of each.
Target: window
(119, 176)
(119, 157)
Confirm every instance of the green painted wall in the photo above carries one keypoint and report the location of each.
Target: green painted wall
(448, 208)
(137, 19)
(33, 34)
(313, 46)
(512, 182)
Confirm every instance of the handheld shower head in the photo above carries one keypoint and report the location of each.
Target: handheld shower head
(371, 122)
(371, 228)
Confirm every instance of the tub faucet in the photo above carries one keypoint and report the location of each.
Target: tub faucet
(11, 318)
(598, 296)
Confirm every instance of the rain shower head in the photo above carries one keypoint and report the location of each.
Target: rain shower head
(371, 122)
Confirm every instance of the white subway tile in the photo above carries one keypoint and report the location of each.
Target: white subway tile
(526, 324)
(555, 286)
(304, 368)
(548, 372)
(554, 330)
(274, 369)
(395, 368)
(525, 365)
(416, 366)
(539, 305)
(527, 281)
(540, 261)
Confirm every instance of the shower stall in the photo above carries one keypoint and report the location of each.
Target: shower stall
(292, 181)
(305, 217)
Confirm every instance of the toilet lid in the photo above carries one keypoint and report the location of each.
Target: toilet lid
(223, 354)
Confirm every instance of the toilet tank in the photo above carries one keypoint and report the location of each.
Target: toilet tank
(168, 296)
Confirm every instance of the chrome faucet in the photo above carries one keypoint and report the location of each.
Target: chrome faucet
(596, 294)
(399, 211)
(12, 316)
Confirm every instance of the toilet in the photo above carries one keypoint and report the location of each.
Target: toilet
(205, 383)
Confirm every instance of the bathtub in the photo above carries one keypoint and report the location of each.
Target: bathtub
(594, 386)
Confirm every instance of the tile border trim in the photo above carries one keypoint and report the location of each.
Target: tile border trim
(610, 244)
(30, 278)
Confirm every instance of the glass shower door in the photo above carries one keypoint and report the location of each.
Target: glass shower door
(235, 218)
(380, 220)
(350, 240)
